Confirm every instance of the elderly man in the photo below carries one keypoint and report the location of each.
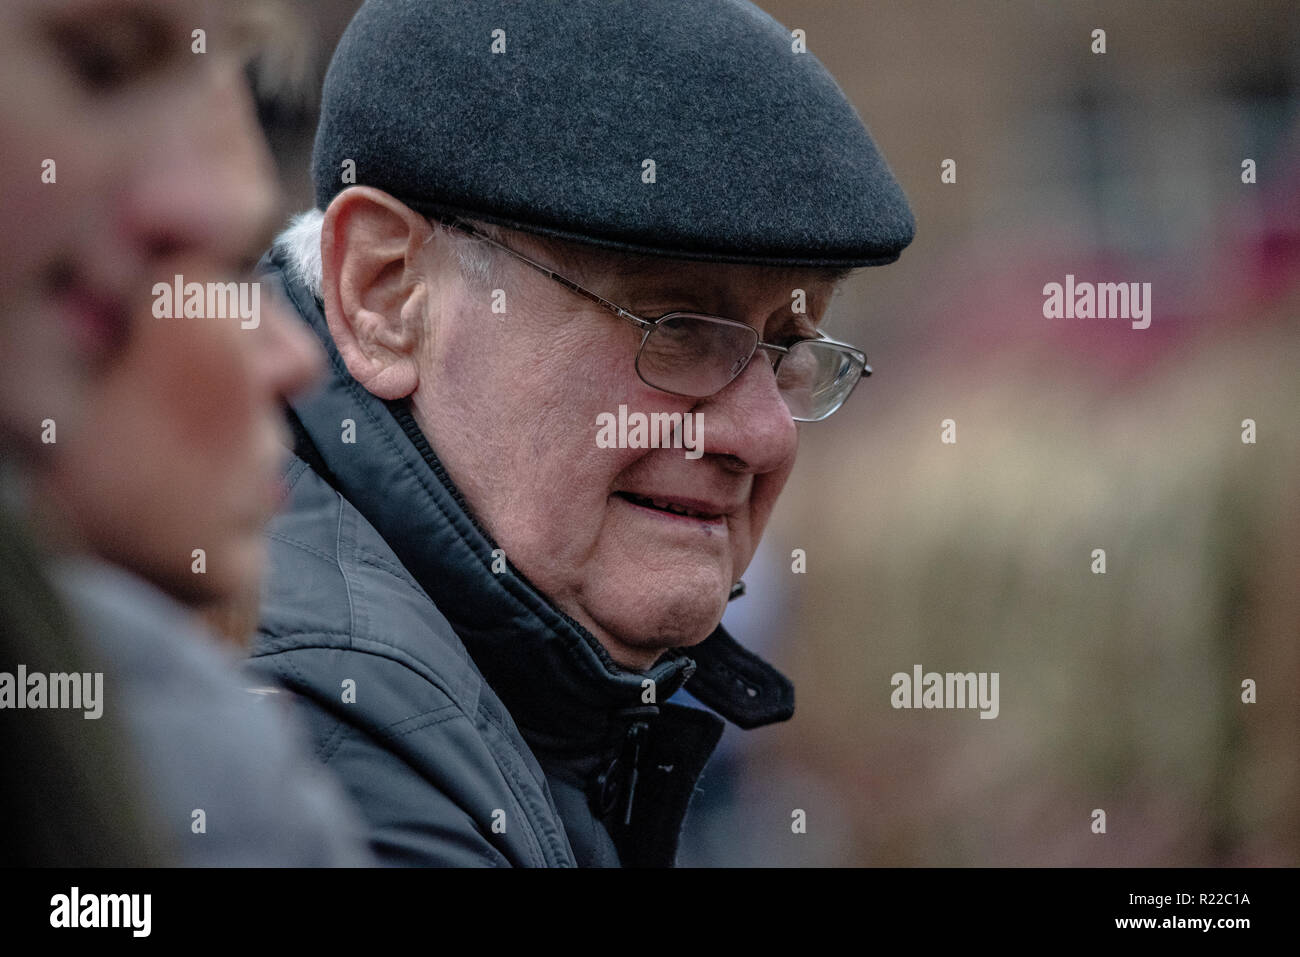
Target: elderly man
(535, 220)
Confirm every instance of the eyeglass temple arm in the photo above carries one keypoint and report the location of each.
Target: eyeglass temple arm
(783, 351)
(619, 311)
(455, 223)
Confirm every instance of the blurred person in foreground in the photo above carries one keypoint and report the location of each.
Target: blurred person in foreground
(157, 437)
(483, 604)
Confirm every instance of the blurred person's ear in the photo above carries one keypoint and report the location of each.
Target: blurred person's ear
(373, 251)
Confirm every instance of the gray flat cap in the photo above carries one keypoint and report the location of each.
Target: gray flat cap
(757, 156)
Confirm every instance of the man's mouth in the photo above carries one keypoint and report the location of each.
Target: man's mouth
(670, 507)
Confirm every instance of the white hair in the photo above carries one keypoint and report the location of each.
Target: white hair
(299, 247)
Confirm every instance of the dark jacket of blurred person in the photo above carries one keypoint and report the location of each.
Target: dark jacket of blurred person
(471, 721)
(70, 794)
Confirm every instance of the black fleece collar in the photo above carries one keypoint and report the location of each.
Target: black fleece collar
(556, 678)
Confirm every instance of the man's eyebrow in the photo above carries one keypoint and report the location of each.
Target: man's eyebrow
(678, 294)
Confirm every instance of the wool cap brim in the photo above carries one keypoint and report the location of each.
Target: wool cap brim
(758, 157)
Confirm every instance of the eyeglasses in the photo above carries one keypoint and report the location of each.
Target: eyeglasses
(695, 355)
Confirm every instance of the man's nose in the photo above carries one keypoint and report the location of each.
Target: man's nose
(749, 422)
(206, 185)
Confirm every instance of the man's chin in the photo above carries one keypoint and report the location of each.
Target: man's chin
(637, 640)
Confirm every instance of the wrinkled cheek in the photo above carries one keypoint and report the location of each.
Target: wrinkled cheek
(469, 369)
(455, 367)
(763, 499)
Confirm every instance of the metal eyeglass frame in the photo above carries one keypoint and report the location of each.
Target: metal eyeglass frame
(648, 325)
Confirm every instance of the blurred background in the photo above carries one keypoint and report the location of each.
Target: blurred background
(1120, 691)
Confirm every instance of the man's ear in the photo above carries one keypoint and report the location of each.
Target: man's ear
(372, 248)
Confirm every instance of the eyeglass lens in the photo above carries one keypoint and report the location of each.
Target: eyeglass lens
(698, 356)
(695, 355)
(815, 378)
